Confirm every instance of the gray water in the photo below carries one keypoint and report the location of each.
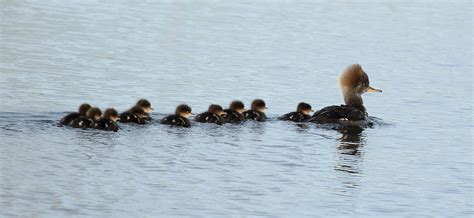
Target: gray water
(55, 55)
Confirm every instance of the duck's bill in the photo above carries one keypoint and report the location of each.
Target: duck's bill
(370, 89)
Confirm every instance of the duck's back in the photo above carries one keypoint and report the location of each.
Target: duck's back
(338, 114)
(255, 115)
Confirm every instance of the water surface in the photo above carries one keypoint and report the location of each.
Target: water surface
(55, 55)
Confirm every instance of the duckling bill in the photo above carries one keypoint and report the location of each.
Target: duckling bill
(212, 115)
(353, 83)
(180, 118)
(235, 112)
(257, 111)
(300, 115)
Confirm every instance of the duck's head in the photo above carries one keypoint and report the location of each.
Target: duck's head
(83, 108)
(354, 82)
(304, 108)
(138, 110)
(94, 113)
(216, 109)
(237, 106)
(183, 110)
(145, 104)
(111, 114)
(258, 105)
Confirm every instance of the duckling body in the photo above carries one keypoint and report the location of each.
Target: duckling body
(255, 115)
(212, 115)
(353, 82)
(128, 117)
(107, 125)
(135, 115)
(82, 122)
(83, 108)
(232, 116)
(208, 117)
(257, 111)
(176, 120)
(295, 117)
(108, 121)
(300, 115)
(88, 121)
(180, 118)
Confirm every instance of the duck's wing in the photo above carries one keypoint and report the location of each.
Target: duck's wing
(338, 113)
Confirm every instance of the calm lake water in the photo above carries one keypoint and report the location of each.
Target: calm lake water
(55, 55)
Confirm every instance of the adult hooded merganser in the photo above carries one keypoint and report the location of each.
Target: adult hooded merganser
(353, 82)
(235, 112)
(89, 121)
(82, 111)
(257, 111)
(180, 118)
(212, 115)
(136, 114)
(108, 121)
(146, 105)
(301, 114)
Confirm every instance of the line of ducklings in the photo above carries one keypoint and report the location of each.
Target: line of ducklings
(353, 83)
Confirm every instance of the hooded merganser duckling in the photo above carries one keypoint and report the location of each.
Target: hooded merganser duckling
(212, 115)
(88, 121)
(235, 112)
(301, 114)
(108, 121)
(180, 118)
(136, 114)
(257, 111)
(82, 111)
(353, 82)
(146, 105)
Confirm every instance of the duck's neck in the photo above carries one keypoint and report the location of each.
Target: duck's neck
(353, 99)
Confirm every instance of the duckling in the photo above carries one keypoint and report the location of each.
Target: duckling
(136, 114)
(212, 115)
(234, 113)
(82, 111)
(108, 121)
(257, 111)
(301, 114)
(89, 121)
(146, 105)
(180, 118)
(353, 83)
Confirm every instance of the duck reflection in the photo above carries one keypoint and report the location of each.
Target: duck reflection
(350, 156)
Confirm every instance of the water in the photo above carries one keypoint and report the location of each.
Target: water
(56, 55)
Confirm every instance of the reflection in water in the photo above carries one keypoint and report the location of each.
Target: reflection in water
(349, 154)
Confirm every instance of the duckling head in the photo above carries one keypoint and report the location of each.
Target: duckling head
(237, 106)
(183, 110)
(111, 114)
(258, 105)
(94, 113)
(139, 110)
(304, 108)
(216, 109)
(145, 104)
(83, 108)
(354, 82)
